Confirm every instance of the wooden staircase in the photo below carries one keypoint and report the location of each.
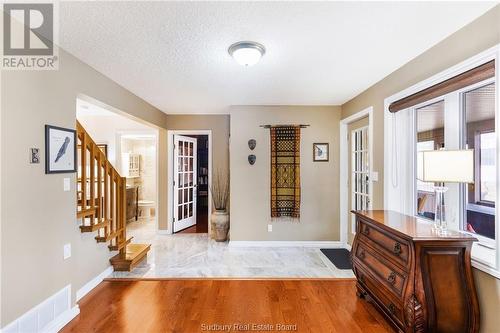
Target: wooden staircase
(101, 203)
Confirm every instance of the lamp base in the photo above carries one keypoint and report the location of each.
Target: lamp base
(440, 223)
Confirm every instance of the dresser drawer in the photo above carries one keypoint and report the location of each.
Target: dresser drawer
(395, 247)
(392, 306)
(393, 278)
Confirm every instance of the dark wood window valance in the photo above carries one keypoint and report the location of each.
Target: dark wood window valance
(463, 80)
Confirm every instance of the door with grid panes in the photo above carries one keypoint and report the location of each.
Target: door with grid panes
(185, 157)
(360, 171)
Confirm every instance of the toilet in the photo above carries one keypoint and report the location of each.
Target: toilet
(145, 207)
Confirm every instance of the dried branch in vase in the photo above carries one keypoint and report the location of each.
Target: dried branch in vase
(220, 190)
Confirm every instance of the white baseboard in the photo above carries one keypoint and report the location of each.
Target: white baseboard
(62, 320)
(47, 317)
(348, 246)
(93, 283)
(326, 244)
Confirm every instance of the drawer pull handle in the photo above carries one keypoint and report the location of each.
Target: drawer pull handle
(362, 254)
(366, 231)
(397, 249)
(392, 308)
(392, 278)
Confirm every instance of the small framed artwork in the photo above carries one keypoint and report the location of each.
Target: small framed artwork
(104, 148)
(320, 152)
(60, 150)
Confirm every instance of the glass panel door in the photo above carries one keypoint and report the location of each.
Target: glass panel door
(360, 170)
(185, 161)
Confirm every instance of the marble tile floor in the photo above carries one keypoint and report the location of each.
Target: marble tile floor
(194, 255)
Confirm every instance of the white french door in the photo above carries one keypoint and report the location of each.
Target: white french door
(185, 177)
(360, 170)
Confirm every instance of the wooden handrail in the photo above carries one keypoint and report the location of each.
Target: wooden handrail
(101, 194)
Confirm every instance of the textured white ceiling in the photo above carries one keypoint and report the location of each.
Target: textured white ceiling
(174, 54)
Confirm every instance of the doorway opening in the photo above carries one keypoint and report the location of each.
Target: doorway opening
(131, 147)
(201, 189)
(356, 169)
(189, 166)
(138, 165)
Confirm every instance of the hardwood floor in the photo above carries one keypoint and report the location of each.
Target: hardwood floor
(189, 305)
(201, 226)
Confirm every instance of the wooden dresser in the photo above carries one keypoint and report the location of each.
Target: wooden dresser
(419, 280)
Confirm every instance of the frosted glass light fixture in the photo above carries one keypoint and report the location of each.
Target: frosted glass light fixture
(247, 53)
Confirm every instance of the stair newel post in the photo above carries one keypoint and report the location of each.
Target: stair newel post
(106, 199)
(123, 213)
(99, 190)
(118, 205)
(112, 215)
(92, 181)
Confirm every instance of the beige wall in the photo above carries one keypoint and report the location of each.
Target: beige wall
(219, 125)
(489, 301)
(37, 217)
(250, 184)
(472, 39)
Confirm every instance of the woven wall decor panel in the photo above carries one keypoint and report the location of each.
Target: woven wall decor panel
(285, 171)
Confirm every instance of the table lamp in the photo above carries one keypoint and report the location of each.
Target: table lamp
(445, 166)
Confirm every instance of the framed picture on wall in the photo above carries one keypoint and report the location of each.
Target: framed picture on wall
(320, 152)
(60, 150)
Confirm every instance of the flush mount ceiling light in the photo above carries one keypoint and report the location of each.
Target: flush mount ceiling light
(247, 53)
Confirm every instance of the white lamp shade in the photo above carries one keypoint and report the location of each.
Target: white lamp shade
(446, 166)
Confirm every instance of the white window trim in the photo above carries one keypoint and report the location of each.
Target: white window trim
(406, 203)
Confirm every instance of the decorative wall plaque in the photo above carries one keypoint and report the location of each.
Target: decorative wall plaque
(251, 144)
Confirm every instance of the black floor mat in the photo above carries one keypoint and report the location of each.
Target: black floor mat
(339, 257)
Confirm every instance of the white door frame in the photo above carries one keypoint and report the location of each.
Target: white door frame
(170, 168)
(344, 166)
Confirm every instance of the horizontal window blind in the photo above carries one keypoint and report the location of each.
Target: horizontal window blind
(463, 80)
